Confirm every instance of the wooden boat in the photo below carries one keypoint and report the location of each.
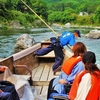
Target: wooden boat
(38, 67)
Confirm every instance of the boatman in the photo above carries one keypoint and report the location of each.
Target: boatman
(66, 38)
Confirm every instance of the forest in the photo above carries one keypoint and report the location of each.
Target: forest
(76, 12)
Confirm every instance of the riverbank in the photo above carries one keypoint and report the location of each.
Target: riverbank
(81, 26)
(39, 24)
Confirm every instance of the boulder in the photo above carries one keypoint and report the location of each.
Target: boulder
(23, 42)
(67, 25)
(94, 34)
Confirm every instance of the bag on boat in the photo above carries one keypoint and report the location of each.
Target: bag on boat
(67, 87)
(8, 91)
(21, 85)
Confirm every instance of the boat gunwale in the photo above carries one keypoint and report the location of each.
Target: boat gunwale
(26, 52)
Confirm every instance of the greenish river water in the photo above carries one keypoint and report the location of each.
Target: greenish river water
(8, 39)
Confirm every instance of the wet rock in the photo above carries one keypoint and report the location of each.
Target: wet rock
(94, 34)
(23, 42)
(67, 25)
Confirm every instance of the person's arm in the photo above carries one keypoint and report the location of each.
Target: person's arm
(69, 78)
(77, 68)
(1, 91)
(62, 81)
(58, 35)
(62, 78)
(72, 41)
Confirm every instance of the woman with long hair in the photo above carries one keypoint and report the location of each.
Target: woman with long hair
(70, 68)
(86, 85)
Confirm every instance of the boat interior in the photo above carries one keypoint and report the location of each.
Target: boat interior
(36, 69)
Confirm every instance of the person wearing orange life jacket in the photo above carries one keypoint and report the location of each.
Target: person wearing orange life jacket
(69, 69)
(90, 89)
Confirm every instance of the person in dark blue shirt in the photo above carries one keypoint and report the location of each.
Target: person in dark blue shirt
(66, 38)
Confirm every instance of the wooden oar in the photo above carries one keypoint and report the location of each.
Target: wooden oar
(43, 21)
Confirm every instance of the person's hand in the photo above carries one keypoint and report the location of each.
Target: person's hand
(1, 91)
(62, 81)
(58, 35)
(2, 68)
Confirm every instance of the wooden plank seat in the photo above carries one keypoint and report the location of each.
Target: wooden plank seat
(42, 74)
(41, 77)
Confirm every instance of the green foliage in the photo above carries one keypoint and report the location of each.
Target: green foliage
(29, 18)
(55, 17)
(63, 17)
(3, 10)
(40, 8)
(22, 20)
(4, 27)
(21, 17)
(97, 15)
(11, 4)
(84, 20)
(77, 6)
(54, 11)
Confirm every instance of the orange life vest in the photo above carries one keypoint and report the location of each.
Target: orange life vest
(70, 63)
(94, 92)
(2, 68)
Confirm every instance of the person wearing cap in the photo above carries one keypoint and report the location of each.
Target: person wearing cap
(57, 44)
(68, 38)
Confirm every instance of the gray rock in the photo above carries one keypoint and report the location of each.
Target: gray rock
(67, 25)
(94, 34)
(23, 42)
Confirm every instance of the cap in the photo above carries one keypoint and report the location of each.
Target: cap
(78, 32)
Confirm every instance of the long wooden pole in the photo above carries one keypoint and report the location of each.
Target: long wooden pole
(42, 20)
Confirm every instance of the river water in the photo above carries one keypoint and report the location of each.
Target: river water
(8, 39)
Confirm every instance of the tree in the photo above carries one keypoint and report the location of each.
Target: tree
(97, 15)
(55, 16)
(3, 11)
(21, 7)
(40, 8)
(11, 4)
(68, 15)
